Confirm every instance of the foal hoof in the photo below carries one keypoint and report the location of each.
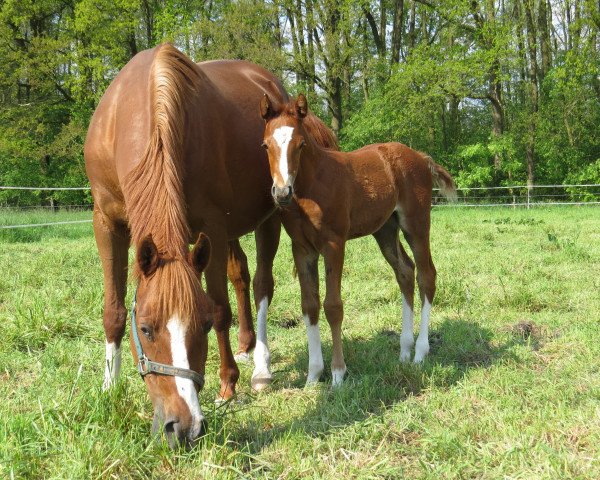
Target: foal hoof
(261, 380)
(337, 377)
(242, 357)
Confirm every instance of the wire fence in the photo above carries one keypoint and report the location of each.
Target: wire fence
(523, 196)
(515, 196)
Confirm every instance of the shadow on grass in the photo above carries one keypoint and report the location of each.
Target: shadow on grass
(376, 379)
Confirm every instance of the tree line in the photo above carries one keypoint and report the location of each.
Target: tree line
(499, 91)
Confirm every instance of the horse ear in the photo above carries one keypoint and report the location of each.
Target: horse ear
(266, 108)
(200, 254)
(301, 106)
(147, 256)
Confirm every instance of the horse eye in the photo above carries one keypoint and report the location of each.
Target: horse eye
(147, 331)
(264, 145)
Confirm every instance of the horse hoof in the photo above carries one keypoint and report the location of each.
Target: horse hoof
(261, 380)
(242, 357)
(337, 377)
(219, 400)
(405, 357)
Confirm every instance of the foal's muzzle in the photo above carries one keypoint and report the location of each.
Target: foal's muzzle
(282, 195)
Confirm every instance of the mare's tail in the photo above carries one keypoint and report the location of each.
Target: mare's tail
(443, 180)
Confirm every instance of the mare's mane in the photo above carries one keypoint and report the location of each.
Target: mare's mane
(153, 189)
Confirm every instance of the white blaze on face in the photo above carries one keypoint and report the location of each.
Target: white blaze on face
(112, 365)
(283, 137)
(185, 386)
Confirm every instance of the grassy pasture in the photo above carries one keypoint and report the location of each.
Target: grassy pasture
(511, 388)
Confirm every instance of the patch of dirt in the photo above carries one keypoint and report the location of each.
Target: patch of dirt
(289, 322)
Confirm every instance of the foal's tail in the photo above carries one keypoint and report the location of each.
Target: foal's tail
(443, 180)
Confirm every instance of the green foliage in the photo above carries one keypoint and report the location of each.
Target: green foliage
(461, 88)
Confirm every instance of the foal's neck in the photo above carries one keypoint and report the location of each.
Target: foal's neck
(314, 161)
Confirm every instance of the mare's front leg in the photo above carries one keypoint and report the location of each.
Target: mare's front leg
(239, 276)
(334, 308)
(112, 240)
(307, 265)
(216, 286)
(267, 242)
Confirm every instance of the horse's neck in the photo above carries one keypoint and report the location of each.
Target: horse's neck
(315, 164)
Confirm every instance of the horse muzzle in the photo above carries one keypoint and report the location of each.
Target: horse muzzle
(178, 435)
(282, 195)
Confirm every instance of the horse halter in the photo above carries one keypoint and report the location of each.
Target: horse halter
(146, 366)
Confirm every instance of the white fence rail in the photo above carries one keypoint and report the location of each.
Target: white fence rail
(521, 196)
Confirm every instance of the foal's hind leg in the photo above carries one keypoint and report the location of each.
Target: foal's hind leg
(267, 241)
(404, 269)
(239, 276)
(416, 232)
(113, 242)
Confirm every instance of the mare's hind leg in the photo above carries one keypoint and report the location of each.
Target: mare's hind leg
(416, 232)
(113, 242)
(404, 269)
(267, 241)
(307, 265)
(216, 286)
(239, 276)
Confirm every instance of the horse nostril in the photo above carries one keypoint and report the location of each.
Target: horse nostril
(273, 190)
(173, 431)
(289, 194)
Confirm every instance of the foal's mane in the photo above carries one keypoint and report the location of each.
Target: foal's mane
(320, 133)
(153, 189)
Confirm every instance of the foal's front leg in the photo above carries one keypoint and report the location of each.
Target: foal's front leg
(334, 308)
(307, 265)
(267, 241)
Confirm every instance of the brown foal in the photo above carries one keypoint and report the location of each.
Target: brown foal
(328, 197)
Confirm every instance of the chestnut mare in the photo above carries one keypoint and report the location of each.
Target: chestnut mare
(173, 149)
(328, 197)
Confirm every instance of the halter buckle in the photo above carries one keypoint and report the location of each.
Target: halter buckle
(143, 366)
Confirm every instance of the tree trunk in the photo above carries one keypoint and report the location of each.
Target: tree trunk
(534, 94)
(544, 30)
(397, 31)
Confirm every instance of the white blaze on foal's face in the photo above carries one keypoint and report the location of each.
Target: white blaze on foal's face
(283, 137)
(185, 386)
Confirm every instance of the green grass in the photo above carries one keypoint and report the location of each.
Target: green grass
(511, 388)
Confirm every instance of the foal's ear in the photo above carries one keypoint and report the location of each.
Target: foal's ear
(266, 107)
(200, 254)
(147, 256)
(301, 106)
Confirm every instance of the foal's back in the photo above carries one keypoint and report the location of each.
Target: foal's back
(381, 178)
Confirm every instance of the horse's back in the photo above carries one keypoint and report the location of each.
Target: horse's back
(225, 166)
